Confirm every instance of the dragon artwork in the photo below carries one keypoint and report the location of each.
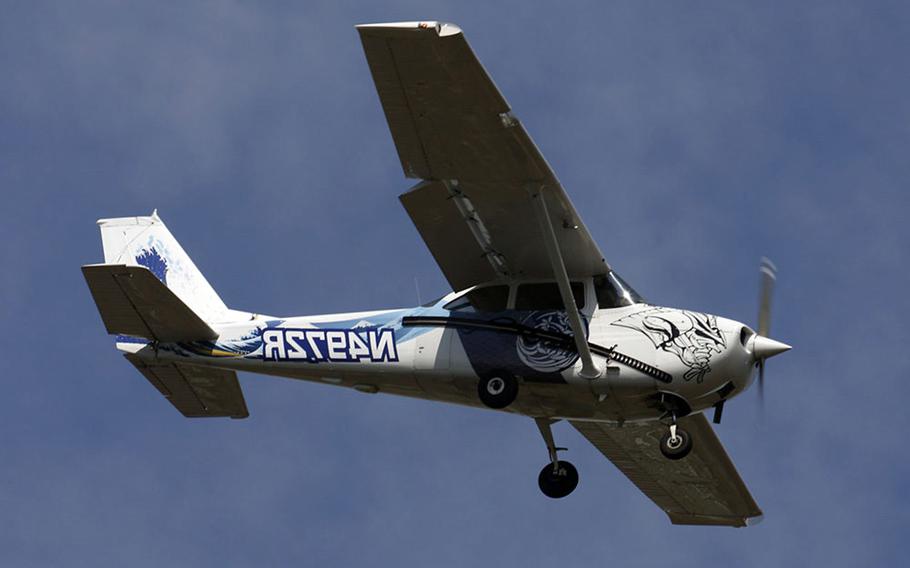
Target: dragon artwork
(692, 336)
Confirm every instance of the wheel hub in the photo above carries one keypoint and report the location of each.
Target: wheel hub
(495, 386)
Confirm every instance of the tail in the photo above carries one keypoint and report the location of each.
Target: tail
(145, 241)
(149, 288)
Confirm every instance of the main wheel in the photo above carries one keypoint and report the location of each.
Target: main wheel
(498, 391)
(678, 448)
(559, 483)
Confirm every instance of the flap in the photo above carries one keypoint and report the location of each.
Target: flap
(480, 232)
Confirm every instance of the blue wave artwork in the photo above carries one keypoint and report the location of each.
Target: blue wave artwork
(150, 259)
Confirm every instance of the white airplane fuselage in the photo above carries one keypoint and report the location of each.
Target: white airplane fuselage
(643, 352)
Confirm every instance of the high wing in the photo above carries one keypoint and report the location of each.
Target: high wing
(454, 130)
(701, 489)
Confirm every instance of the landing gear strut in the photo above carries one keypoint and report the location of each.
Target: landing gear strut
(676, 443)
(558, 478)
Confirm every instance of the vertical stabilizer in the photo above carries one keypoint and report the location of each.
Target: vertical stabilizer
(146, 241)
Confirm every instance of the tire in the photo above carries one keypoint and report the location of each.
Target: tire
(678, 450)
(560, 483)
(498, 391)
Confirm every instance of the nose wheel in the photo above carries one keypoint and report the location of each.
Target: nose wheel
(498, 391)
(558, 478)
(676, 443)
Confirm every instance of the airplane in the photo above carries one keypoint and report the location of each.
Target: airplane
(538, 324)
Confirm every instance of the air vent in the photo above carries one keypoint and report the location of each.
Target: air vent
(745, 334)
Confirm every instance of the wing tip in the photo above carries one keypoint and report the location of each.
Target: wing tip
(442, 29)
(738, 521)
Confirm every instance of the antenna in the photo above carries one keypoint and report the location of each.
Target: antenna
(417, 288)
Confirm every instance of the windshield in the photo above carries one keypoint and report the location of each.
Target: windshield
(613, 292)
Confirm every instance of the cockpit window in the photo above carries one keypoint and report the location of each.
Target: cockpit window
(546, 296)
(613, 292)
(488, 299)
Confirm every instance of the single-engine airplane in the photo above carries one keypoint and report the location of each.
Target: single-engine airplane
(540, 325)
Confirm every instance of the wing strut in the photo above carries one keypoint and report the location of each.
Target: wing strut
(588, 369)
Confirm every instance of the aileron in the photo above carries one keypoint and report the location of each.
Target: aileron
(447, 117)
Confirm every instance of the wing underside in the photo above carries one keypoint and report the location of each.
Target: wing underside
(703, 488)
(453, 129)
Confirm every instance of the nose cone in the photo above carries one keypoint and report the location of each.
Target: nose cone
(764, 347)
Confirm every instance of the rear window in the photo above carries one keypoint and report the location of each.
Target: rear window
(488, 299)
(545, 296)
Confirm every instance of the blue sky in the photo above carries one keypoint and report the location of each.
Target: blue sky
(693, 138)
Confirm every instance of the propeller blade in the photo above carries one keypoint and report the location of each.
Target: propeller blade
(768, 276)
(761, 345)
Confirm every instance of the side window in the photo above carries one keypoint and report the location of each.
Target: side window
(489, 299)
(545, 296)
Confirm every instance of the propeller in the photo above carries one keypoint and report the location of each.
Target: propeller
(763, 346)
(759, 344)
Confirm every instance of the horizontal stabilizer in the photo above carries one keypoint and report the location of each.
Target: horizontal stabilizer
(197, 392)
(133, 301)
